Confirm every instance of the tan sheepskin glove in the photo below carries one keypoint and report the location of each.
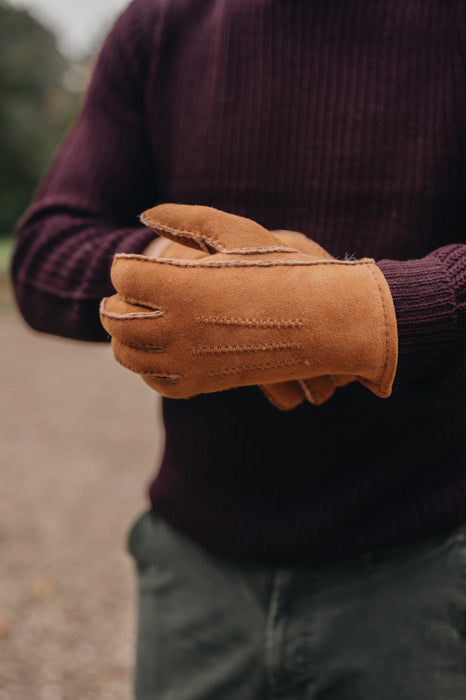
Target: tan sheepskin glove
(283, 395)
(249, 312)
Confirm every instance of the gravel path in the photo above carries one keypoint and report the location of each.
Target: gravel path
(80, 437)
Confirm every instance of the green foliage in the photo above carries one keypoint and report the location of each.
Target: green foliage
(5, 255)
(35, 108)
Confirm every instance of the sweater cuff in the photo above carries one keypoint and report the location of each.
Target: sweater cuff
(426, 315)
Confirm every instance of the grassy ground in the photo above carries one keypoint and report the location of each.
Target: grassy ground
(6, 246)
(80, 437)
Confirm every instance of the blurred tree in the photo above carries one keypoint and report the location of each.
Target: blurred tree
(35, 108)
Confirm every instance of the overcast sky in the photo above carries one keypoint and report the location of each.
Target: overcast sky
(77, 23)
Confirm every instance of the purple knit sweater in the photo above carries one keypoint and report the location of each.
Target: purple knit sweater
(343, 120)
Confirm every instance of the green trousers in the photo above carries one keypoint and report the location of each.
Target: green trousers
(390, 626)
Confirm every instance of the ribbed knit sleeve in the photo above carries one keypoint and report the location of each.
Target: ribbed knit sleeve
(86, 208)
(430, 304)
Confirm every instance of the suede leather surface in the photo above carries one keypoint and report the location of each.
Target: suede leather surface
(318, 389)
(260, 313)
(289, 394)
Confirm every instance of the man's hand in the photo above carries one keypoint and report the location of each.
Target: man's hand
(248, 312)
(283, 395)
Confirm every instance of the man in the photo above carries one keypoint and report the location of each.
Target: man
(317, 552)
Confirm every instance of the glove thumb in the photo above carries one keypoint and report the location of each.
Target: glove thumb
(211, 230)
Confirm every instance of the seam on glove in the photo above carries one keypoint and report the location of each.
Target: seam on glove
(163, 377)
(177, 233)
(202, 240)
(251, 322)
(159, 377)
(265, 365)
(384, 308)
(244, 251)
(128, 316)
(142, 303)
(240, 263)
(219, 349)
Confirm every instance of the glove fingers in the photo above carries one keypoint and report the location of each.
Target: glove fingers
(116, 307)
(289, 395)
(135, 277)
(144, 360)
(130, 323)
(284, 395)
(318, 389)
(219, 283)
(208, 229)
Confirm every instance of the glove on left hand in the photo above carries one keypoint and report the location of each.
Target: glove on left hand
(283, 395)
(254, 312)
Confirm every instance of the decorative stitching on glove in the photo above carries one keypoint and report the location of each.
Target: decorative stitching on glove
(265, 365)
(210, 262)
(251, 322)
(219, 349)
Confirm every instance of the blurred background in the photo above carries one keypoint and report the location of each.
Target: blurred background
(80, 436)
